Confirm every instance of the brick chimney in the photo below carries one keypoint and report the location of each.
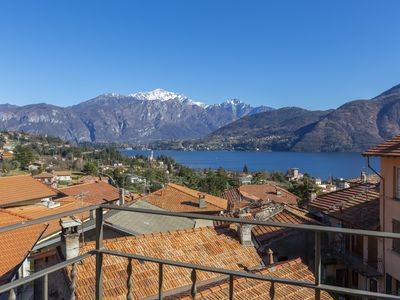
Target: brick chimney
(244, 230)
(70, 237)
(202, 201)
(270, 255)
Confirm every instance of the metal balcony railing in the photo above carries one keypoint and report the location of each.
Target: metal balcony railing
(99, 252)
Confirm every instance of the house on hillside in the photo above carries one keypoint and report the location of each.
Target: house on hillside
(351, 260)
(389, 212)
(63, 176)
(251, 194)
(46, 178)
(245, 178)
(6, 155)
(293, 174)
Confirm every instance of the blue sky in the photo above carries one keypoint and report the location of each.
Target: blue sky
(313, 54)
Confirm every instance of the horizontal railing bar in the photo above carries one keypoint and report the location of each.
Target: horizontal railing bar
(329, 288)
(48, 218)
(306, 227)
(13, 284)
(256, 222)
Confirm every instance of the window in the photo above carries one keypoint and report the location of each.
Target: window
(396, 229)
(397, 287)
(388, 284)
(397, 182)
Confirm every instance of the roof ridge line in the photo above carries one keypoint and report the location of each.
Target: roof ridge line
(153, 234)
(15, 214)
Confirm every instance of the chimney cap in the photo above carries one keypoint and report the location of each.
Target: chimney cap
(69, 222)
(270, 254)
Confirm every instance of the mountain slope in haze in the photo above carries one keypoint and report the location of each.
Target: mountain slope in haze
(354, 126)
(136, 118)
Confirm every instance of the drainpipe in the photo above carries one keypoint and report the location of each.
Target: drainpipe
(383, 209)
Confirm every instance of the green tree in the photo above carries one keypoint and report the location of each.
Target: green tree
(259, 177)
(245, 169)
(23, 155)
(303, 186)
(90, 168)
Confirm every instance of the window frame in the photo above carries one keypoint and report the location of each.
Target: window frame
(396, 242)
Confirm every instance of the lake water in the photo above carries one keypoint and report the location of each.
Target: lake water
(320, 165)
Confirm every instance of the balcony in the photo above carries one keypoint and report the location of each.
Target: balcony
(100, 252)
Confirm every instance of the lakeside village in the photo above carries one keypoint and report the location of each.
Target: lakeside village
(45, 176)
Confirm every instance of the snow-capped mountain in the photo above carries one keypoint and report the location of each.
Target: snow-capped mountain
(158, 94)
(136, 118)
(163, 95)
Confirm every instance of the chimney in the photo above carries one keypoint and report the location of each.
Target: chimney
(244, 230)
(70, 237)
(270, 255)
(121, 196)
(202, 201)
(312, 195)
(363, 177)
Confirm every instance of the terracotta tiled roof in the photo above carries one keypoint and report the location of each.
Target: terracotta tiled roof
(280, 214)
(15, 189)
(94, 192)
(44, 175)
(290, 215)
(388, 148)
(246, 194)
(36, 211)
(251, 289)
(91, 179)
(15, 244)
(7, 155)
(204, 246)
(269, 191)
(357, 206)
(177, 198)
(235, 200)
(62, 173)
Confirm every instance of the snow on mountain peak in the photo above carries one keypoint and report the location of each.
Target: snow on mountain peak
(159, 94)
(163, 95)
(233, 102)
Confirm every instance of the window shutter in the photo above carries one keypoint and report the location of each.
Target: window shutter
(397, 182)
(396, 229)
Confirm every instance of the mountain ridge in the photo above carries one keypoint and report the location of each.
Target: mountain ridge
(136, 118)
(353, 126)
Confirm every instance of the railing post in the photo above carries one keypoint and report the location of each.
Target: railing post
(11, 295)
(45, 292)
(73, 281)
(129, 296)
(99, 255)
(230, 287)
(193, 290)
(160, 280)
(317, 258)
